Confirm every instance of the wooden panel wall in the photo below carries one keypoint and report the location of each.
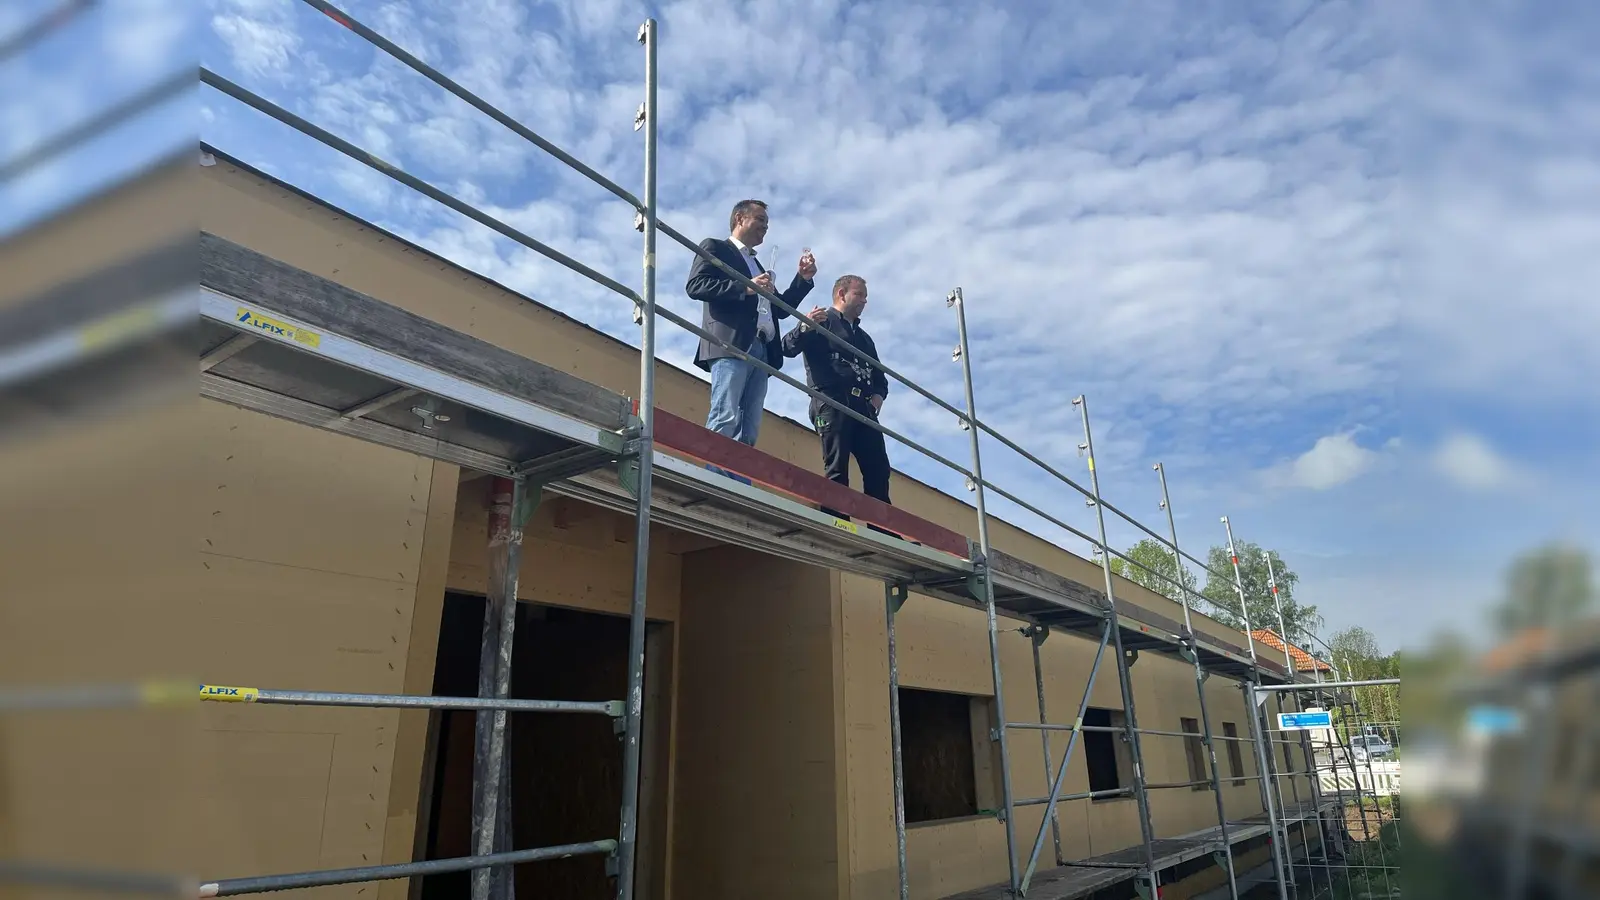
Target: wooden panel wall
(757, 801)
(945, 647)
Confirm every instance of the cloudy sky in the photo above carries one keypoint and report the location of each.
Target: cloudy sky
(1325, 260)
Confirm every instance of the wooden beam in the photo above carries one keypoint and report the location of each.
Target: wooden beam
(687, 438)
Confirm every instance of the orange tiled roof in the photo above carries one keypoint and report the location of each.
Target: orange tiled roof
(1303, 661)
(1517, 649)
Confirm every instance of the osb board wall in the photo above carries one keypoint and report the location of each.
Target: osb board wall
(411, 736)
(755, 795)
(98, 562)
(241, 207)
(945, 647)
(573, 554)
(310, 555)
(312, 552)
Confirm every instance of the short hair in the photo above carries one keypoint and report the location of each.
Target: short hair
(843, 282)
(743, 207)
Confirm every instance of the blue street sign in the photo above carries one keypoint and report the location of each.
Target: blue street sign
(1493, 720)
(1304, 721)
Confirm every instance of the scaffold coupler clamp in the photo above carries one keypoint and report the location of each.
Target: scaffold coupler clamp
(1187, 647)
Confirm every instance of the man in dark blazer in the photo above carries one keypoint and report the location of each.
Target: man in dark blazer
(742, 317)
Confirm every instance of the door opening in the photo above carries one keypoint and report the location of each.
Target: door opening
(566, 768)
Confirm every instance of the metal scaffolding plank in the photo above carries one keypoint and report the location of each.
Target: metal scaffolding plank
(1105, 870)
(318, 376)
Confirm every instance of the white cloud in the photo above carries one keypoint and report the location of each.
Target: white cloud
(1468, 461)
(259, 35)
(258, 47)
(1334, 460)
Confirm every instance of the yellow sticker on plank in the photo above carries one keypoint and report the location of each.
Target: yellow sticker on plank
(252, 319)
(842, 525)
(117, 328)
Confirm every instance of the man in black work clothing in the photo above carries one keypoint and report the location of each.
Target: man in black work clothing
(848, 379)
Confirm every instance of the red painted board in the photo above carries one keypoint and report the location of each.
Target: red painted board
(693, 440)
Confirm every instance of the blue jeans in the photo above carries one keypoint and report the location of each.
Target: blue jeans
(738, 394)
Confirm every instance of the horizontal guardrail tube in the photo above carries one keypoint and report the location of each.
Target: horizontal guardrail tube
(233, 887)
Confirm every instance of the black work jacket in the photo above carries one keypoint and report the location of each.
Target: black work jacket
(836, 372)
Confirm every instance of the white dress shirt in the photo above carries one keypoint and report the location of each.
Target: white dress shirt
(765, 326)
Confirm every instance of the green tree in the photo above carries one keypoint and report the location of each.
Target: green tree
(1549, 587)
(1356, 652)
(1355, 643)
(1299, 619)
(1157, 557)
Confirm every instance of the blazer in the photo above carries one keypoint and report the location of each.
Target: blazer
(728, 312)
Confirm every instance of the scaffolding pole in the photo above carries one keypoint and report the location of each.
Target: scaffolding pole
(894, 597)
(1200, 688)
(1257, 711)
(628, 842)
(986, 587)
(1129, 713)
(1288, 758)
(1310, 759)
(1262, 761)
(1333, 765)
(506, 500)
(1036, 635)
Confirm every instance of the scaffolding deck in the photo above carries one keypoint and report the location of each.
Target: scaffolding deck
(1105, 870)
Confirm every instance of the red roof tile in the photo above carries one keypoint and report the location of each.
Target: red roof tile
(1303, 661)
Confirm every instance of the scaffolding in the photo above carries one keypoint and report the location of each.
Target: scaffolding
(283, 342)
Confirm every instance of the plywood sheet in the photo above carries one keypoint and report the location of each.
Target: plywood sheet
(756, 811)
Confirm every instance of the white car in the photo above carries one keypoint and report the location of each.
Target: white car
(1369, 746)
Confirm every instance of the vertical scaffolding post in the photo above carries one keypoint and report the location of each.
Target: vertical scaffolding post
(1268, 778)
(894, 597)
(1199, 687)
(1288, 655)
(507, 499)
(628, 840)
(1129, 714)
(986, 584)
(1036, 635)
(1279, 851)
(1238, 586)
(1333, 766)
(1311, 765)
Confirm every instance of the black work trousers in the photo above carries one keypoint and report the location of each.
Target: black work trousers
(844, 437)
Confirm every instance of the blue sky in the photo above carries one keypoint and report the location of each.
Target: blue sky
(1327, 263)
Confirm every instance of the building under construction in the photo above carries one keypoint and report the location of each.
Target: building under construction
(705, 688)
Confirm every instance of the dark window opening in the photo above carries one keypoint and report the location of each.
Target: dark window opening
(1103, 751)
(941, 753)
(1194, 749)
(1235, 755)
